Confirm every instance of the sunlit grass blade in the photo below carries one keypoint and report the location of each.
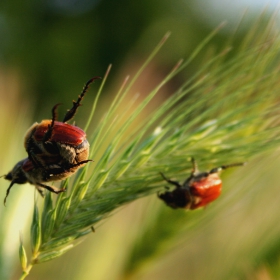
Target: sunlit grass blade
(224, 113)
(35, 232)
(22, 256)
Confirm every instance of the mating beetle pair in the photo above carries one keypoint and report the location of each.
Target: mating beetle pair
(198, 190)
(55, 151)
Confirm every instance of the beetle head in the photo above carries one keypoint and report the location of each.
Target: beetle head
(16, 175)
(178, 198)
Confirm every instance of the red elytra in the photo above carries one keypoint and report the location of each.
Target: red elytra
(200, 189)
(62, 132)
(27, 165)
(205, 190)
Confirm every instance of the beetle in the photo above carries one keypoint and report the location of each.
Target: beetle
(51, 139)
(26, 172)
(198, 190)
(55, 151)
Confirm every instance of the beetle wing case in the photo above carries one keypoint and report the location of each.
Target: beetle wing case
(205, 190)
(61, 133)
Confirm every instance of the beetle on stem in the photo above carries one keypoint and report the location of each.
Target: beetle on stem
(198, 190)
(55, 151)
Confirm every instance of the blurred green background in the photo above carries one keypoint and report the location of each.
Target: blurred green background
(56, 46)
(48, 50)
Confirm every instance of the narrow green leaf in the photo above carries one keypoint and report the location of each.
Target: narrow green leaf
(78, 194)
(81, 192)
(97, 97)
(47, 217)
(48, 222)
(59, 242)
(48, 203)
(99, 180)
(61, 211)
(22, 256)
(53, 254)
(35, 231)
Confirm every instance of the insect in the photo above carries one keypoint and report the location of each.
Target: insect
(55, 151)
(198, 190)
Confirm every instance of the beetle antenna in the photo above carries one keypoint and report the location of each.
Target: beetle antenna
(70, 113)
(218, 169)
(175, 183)
(8, 191)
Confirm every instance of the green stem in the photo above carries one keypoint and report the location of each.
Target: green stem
(26, 272)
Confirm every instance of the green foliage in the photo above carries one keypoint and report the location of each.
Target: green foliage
(226, 112)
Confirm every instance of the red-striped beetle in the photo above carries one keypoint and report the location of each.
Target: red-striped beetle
(200, 189)
(55, 151)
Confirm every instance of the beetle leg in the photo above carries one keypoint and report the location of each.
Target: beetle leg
(193, 172)
(175, 183)
(194, 167)
(70, 113)
(40, 190)
(33, 158)
(59, 169)
(48, 134)
(8, 191)
(218, 169)
(70, 166)
(33, 149)
(80, 163)
(50, 188)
